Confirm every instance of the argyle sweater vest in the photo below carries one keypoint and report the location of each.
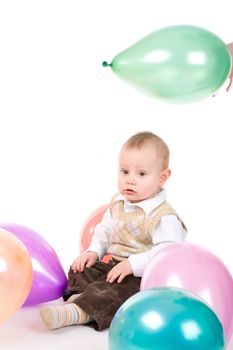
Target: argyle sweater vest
(132, 231)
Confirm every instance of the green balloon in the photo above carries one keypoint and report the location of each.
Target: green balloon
(178, 64)
(165, 319)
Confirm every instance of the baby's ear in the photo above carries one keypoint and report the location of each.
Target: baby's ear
(165, 174)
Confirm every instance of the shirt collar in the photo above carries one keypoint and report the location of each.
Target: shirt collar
(148, 204)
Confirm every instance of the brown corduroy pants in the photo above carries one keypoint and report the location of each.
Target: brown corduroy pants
(100, 299)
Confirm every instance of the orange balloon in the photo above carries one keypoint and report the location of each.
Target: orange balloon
(15, 274)
(88, 229)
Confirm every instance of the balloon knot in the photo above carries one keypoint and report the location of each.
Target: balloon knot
(105, 64)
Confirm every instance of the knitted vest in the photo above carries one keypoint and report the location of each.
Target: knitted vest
(132, 231)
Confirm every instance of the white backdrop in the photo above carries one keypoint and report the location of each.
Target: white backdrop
(63, 118)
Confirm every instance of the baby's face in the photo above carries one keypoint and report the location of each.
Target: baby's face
(140, 172)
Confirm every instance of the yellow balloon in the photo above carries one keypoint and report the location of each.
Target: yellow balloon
(15, 274)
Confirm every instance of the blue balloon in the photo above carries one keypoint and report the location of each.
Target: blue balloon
(165, 319)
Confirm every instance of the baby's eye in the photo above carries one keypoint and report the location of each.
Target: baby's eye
(125, 172)
(142, 173)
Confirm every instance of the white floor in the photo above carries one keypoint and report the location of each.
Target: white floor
(24, 331)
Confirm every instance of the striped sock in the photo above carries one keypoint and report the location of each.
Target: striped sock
(63, 315)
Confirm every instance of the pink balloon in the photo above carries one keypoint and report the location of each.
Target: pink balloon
(194, 268)
(49, 279)
(88, 229)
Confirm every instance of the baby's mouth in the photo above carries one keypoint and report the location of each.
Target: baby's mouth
(129, 191)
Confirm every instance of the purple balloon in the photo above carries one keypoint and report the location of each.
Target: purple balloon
(49, 279)
(196, 269)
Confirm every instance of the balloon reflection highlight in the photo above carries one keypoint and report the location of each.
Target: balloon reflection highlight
(191, 330)
(153, 320)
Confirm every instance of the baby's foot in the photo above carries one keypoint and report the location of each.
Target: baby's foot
(59, 316)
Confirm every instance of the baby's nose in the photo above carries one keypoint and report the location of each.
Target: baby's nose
(131, 180)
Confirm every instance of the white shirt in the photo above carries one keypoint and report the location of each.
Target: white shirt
(168, 230)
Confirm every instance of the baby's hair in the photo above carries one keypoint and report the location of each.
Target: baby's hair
(141, 138)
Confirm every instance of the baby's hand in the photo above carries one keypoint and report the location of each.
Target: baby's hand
(119, 271)
(86, 259)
